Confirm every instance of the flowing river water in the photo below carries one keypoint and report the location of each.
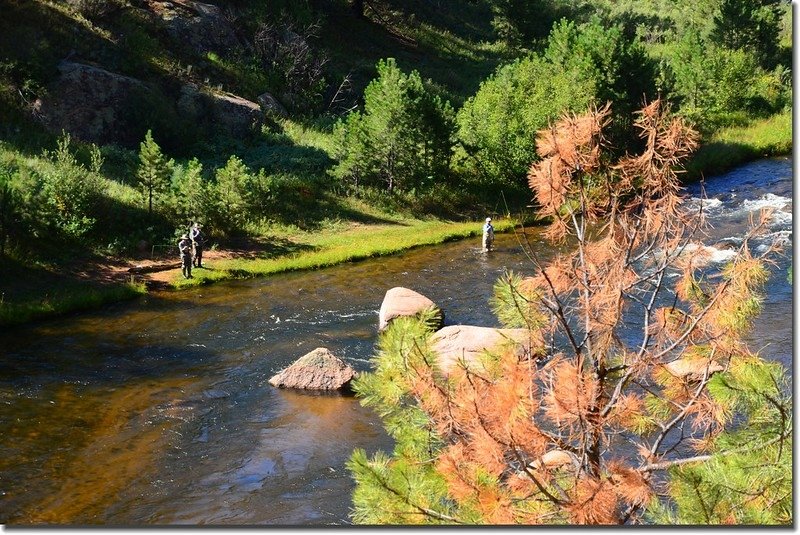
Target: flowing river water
(159, 412)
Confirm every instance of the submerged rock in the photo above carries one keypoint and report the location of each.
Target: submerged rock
(467, 342)
(401, 301)
(318, 370)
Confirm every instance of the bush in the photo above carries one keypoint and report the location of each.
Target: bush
(70, 193)
(402, 140)
(581, 64)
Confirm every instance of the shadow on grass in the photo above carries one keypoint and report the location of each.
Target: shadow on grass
(717, 157)
(57, 297)
(264, 248)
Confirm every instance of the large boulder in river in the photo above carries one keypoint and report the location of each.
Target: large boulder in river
(92, 104)
(202, 27)
(468, 342)
(317, 370)
(401, 301)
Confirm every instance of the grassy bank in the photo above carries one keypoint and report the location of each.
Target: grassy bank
(330, 248)
(58, 301)
(734, 146)
(353, 231)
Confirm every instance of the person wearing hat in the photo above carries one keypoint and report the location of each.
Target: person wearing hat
(488, 235)
(185, 249)
(198, 241)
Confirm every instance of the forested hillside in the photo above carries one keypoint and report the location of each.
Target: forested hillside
(123, 120)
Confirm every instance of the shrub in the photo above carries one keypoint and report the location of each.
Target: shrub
(582, 63)
(402, 140)
(70, 193)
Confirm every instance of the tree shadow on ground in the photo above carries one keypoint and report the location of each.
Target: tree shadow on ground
(717, 157)
(265, 247)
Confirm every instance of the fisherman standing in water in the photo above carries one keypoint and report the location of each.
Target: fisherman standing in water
(488, 235)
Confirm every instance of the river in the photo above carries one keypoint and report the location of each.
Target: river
(158, 411)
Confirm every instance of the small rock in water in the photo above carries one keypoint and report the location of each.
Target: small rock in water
(318, 370)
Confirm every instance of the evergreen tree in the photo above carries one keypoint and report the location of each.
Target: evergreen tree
(234, 190)
(749, 25)
(403, 138)
(578, 428)
(154, 170)
(193, 197)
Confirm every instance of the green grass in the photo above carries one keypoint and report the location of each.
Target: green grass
(328, 248)
(730, 147)
(71, 299)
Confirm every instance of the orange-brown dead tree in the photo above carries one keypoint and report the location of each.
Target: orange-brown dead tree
(635, 326)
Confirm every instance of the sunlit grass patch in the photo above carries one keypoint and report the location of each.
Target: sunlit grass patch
(733, 146)
(62, 301)
(359, 242)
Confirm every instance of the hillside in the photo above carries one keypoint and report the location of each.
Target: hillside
(178, 63)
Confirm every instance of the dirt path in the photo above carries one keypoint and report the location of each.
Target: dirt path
(157, 274)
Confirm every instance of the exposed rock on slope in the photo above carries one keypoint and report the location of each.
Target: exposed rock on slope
(203, 27)
(232, 114)
(91, 103)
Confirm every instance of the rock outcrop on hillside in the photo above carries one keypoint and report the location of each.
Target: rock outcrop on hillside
(96, 105)
(91, 103)
(203, 27)
(231, 114)
(318, 370)
(272, 106)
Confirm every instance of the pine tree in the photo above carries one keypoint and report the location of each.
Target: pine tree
(154, 170)
(582, 429)
(749, 25)
(402, 139)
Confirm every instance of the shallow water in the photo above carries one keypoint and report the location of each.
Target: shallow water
(159, 411)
